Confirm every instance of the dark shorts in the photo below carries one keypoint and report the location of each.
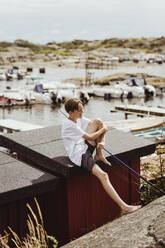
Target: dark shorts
(88, 161)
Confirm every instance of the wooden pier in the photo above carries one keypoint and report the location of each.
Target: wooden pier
(139, 110)
(11, 126)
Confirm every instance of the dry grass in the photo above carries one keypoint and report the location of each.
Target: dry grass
(37, 236)
(153, 169)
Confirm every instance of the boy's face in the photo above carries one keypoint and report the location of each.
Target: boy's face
(78, 113)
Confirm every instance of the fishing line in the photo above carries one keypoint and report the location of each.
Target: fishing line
(126, 180)
(133, 171)
(63, 113)
(125, 177)
(128, 167)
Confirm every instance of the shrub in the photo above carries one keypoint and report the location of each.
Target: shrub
(156, 174)
(2, 50)
(5, 44)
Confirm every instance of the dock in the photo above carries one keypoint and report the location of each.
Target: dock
(139, 110)
(10, 126)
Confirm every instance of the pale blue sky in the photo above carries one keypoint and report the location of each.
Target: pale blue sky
(43, 21)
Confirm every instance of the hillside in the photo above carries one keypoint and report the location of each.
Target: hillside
(77, 51)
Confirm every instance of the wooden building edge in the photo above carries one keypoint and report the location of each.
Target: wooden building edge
(72, 201)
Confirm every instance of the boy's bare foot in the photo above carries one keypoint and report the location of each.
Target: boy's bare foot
(130, 209)
(103, 159)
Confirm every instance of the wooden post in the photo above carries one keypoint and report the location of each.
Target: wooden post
(126, 115)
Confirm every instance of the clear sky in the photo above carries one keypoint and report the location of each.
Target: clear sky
(43, 21)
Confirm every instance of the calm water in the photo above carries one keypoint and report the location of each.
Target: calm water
(46, 115)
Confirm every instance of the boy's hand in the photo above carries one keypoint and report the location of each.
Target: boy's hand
(105, 128)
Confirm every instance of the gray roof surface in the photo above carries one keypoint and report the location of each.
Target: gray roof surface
(45, 147)
(18, 179)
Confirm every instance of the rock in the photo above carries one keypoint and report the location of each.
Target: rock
(142, 229)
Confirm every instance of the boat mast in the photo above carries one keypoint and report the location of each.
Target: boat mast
(88, 75)
(86, 69)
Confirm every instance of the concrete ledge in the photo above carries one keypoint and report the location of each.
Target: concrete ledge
(142, 229)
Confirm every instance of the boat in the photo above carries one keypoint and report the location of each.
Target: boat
(108, 92)
(139, 86)
(15, 97)
(2, 76)
(57, 92)
(32, 80)
(130, 88)
(14, 73)
(130, 91)
(42, 98)
(147, 127)
(137, 124)
(156, 134)
(54, 91)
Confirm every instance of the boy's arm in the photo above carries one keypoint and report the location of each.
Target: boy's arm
(95, 135)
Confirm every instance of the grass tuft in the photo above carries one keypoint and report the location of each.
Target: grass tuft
(37, 236)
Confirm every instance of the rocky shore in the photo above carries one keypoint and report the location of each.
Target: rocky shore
(97, 53)
(142, 229)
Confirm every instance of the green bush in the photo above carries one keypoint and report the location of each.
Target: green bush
(2, 50)
(5, 44)
(156, 174)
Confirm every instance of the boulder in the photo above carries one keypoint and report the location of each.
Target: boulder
(142, 229)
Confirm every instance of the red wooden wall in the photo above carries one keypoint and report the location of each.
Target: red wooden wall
(89, 206)
(77, 206)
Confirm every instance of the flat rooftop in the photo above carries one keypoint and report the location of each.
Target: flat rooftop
(44, 148)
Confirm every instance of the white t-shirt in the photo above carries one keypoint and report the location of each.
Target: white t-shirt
(72, 136)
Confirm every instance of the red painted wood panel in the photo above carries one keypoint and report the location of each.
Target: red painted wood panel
(78, 206)
(135, 182)
(3, 218)
(89, 206)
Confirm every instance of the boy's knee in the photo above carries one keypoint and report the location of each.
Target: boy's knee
(98, 122)
(104, 176)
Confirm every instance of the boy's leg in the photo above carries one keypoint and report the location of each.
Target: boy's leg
(94, 126)
(104, 179)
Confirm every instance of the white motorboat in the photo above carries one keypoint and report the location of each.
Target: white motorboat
(108, 92)
(58, 91)
(13, 73)
(2, 76)
(42, 98)
(130, 91)
(139, 87)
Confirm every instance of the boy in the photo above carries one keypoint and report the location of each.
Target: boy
(81, 137)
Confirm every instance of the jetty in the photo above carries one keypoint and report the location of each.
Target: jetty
(139, 110)
(10, 126)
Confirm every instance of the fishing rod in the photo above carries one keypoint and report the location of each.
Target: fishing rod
(128, 167)
(133, 171)
(63, 113)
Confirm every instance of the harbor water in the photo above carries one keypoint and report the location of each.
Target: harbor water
(47, 115)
